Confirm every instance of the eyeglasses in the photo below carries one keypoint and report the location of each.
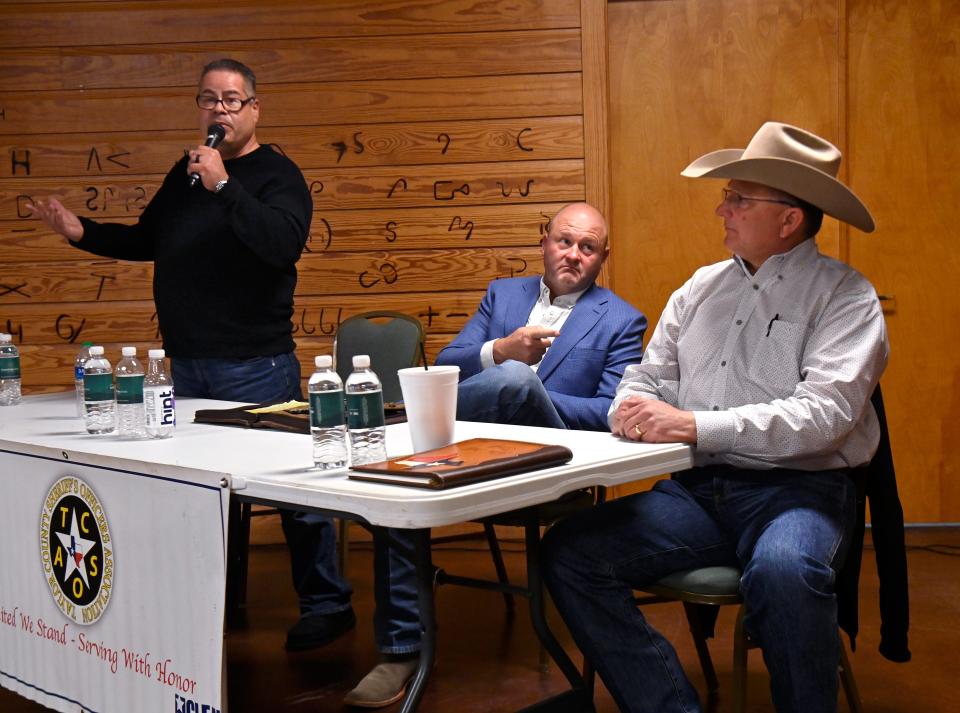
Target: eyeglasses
(231, 104)
(736, 200)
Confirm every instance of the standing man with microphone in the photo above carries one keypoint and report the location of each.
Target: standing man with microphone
(225, 231)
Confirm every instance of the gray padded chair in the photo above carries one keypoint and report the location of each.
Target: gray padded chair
(719, 586)
(392, 340)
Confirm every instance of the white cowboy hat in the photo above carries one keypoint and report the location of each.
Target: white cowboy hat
(791, 160)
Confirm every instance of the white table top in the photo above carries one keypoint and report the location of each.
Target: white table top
(274, 466)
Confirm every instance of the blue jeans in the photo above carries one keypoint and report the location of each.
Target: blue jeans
(511, 393)
(787, 531)
(396, 617)
(311, 537)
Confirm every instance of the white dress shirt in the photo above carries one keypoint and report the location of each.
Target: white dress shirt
(777, 367)
(544, 314)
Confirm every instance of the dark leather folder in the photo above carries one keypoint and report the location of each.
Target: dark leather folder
(293, 416)
(464, 462)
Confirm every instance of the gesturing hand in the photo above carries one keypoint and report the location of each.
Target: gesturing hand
(58, 218)
(526, 344)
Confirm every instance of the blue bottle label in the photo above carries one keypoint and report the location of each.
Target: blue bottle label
(98, 387)
(365, 410)
(10, 368)
(326, 409)
(130, 389)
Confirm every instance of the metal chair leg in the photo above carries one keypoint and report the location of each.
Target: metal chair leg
(343, 545)
(740, 645)
(695, 620)
(498, 564)
(848, 681)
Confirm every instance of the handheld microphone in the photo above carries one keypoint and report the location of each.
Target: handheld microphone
(215, 134)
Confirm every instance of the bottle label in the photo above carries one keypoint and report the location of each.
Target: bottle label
(326, 409)
(78, 372)
(98, 387)
(365, 410)
(10, 368)
(130, 389)
(159, 406)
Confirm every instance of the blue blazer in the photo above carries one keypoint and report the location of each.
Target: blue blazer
(584, 364)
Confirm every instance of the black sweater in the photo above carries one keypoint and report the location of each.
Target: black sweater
(224, 264)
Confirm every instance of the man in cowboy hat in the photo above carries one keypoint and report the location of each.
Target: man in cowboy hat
(765, 364)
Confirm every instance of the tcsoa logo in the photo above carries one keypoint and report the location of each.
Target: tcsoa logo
(76, 550)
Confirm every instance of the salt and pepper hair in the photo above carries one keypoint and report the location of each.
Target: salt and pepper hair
(232, 65)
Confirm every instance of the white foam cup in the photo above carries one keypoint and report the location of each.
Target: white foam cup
(430, 400)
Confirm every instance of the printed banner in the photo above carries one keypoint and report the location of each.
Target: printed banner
(112, 586)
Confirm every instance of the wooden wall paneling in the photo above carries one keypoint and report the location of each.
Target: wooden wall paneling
(904, 112)
(403, 100)
(307, 60)
(133, 152)
(410, 186)
(315, 315)
(595, 101)
(436, 139)
(412, 270)
(319, 274)
(28, 240)
(459, 226)
(143, 22)
(691, 76)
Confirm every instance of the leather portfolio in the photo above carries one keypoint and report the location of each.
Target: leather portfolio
(464, 462)
(293, 416)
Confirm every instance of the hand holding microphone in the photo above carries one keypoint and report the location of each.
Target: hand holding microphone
(215, 134)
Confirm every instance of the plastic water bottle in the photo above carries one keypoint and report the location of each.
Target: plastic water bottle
(98, 398)
(327, 419)
(129, 380)
(365, 413)
(9, 371)
(158, 401)
(78, 363)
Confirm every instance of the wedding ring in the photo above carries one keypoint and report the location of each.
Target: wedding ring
(639, 430)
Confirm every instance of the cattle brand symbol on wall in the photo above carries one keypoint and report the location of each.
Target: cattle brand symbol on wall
(76, 551)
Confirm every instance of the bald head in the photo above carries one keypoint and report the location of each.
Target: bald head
(574, 249)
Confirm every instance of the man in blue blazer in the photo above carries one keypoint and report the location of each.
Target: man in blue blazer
(550, 350)
(544, 351)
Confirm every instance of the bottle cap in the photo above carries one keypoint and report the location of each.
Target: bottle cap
(87, 344)
(156, 354)
(96, 351)
(361, 361)
(324, 361)
(129, 351)
(4, 337)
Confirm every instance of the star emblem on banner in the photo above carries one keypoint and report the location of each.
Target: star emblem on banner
(77, 548)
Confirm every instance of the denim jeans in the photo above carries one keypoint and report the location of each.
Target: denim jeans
(311, 537)
(786, 530)
(396, 617)
(510, 392)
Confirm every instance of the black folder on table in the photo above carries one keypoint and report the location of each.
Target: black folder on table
(293, 416)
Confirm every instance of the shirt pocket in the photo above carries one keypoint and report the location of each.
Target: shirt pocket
(775, 366)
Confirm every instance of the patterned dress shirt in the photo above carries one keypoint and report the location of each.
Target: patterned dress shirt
(777, 367)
